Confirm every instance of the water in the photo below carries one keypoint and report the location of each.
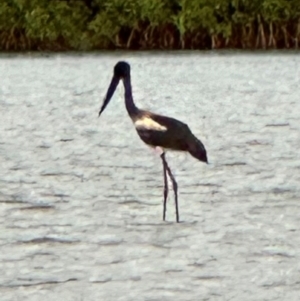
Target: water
(81, 196)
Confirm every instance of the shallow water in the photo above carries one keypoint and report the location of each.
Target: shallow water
(81, 196)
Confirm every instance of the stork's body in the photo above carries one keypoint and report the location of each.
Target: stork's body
(156, 130)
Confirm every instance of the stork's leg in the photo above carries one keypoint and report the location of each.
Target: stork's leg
(175, 186)
(166, 189)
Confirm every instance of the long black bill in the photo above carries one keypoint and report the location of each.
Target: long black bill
(110, 92)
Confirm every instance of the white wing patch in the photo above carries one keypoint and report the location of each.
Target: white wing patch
(149, 124)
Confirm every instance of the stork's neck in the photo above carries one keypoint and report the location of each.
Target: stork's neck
(130, 106)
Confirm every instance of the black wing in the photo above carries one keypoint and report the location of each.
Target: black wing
(166, 132)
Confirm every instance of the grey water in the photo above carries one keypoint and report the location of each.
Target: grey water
(81, 196)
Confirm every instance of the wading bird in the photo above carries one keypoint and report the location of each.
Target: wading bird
(157, 131)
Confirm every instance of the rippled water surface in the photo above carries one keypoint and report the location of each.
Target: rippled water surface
(81, 196)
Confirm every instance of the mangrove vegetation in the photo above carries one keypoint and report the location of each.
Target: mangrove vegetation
(58, 25)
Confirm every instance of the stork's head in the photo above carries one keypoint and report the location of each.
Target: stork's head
(121, 71)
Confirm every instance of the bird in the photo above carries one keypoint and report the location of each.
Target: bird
(160, 132)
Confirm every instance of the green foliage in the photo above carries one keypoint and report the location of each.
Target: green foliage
(141, 24)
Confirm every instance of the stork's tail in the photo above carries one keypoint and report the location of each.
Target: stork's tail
(197, 149)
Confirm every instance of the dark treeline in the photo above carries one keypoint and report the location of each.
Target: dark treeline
(148, 24)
